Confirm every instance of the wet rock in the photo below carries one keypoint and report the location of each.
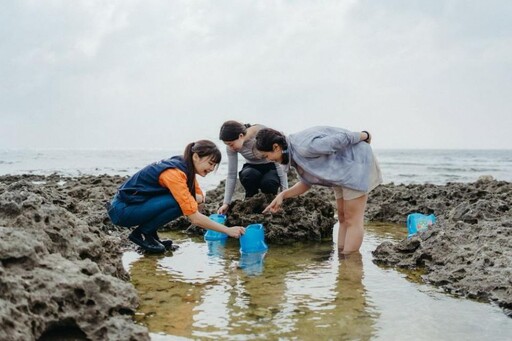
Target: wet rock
(309, 217)
(460, 212)
(468, 251)
(58, 272)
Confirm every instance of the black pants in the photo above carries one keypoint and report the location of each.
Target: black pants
(259, 177)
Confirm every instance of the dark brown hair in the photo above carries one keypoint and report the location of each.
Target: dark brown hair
(202, 148)
(231, 130)
(265, 139)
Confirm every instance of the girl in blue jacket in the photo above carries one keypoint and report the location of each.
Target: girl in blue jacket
(164, 191)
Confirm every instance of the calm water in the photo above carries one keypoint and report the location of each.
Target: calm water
(299, 292)
(398, 166)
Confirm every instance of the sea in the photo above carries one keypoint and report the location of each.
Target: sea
(399, 166)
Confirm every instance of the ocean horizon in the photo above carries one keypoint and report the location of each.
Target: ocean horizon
(399, 166)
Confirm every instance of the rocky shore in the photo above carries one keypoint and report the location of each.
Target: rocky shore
(468, 252)
(60, 257)
(61, 275)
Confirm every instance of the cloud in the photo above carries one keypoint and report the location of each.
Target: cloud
(138, 74)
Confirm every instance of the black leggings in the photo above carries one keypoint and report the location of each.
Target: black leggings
(261, 176)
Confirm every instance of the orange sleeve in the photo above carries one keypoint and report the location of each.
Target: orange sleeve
(176, 181)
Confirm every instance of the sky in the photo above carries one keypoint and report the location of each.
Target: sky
(130, 74)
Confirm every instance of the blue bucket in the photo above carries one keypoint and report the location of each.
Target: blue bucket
(211, 235)
(253, 240)
(417, 222)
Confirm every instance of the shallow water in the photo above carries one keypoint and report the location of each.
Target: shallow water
(298, 292)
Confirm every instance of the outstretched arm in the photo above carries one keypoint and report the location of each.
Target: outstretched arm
(296, 190)
(203, 221)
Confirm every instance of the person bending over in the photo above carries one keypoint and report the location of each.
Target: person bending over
(332, 157)
(164, 191)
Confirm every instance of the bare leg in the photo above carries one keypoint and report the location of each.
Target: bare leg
(342, 230)
(354, 223)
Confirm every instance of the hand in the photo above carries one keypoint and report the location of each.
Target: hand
(236, 231)
(275, 205)
(223, 209)
(369, 139)
(200, 199)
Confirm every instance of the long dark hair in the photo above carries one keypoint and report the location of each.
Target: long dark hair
(265, 139)
(231, 130)
(202, 148)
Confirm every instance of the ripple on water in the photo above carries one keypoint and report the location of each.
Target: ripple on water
(304, 291)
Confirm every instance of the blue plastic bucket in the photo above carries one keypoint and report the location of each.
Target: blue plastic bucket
(253, 240)
(211, 235)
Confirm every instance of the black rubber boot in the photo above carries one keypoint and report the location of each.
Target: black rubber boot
(167, 243)
(148, 244)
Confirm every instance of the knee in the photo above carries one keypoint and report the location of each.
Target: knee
(113, 217)
(352, 219)
(270, 186)
(113, 213)
(249, 175)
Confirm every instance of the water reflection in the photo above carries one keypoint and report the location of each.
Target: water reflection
(304, 291)
(252, 262)
(207, 290)
(216, 247)
(329, 297)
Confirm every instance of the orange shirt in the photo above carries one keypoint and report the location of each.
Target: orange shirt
(176, 181)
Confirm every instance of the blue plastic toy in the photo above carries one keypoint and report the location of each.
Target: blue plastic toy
(211, 235)
(417, 222)
(253, 240)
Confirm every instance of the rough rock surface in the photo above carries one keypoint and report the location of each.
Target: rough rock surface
(60, 256)
(60, 271)
(468, 252)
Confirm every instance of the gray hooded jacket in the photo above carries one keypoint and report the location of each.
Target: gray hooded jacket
(331, 156)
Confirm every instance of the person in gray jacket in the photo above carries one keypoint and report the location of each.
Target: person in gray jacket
(332, 157)
(257, 174)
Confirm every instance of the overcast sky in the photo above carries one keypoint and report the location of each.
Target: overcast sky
(158, 74)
